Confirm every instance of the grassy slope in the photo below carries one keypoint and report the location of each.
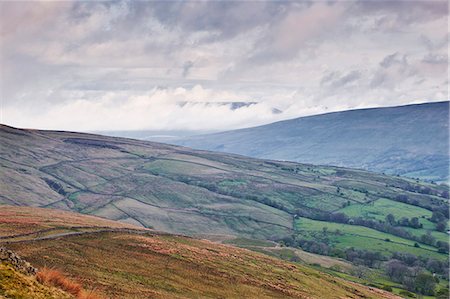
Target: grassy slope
(123, 265)
(16, 285)
(288, 253)
(181, 190)
(26, 220)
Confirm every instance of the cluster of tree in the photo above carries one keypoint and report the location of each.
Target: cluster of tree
(364, 257)
(413, 222)
(432, 265)
(440, 213)
(433, 205)
(428, 239)
(440, 219)
(314, 246)
(323, 215)
(443, 247)
(307, 245)
(415, 279)
(381, 226)
(368, 258)
(426, 190)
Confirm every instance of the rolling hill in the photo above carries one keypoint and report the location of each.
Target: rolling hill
(411, 140)
(136, 263)
(179, 190)
(366, 218)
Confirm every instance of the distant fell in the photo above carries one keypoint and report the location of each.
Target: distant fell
(407, 140)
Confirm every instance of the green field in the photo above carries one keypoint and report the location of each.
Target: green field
(362, 238)
(380, 208)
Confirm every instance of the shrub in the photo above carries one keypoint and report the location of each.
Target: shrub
(56, 279)
(442, 294)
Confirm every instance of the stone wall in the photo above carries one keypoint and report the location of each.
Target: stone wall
(10, 257)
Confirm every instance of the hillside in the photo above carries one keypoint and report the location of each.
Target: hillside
(148, 264)
(14, 284)
(179, 190)
(18, 278)
(369, 219)
(408, 140)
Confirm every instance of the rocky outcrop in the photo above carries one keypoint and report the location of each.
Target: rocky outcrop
(10, 257)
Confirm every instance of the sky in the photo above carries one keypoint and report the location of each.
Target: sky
(176, 65)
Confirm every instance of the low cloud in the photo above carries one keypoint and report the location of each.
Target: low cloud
(158, 109)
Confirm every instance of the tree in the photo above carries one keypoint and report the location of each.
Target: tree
(428, 239)
(441, 226)
(395, 269)
(435, 266)
(390, 219)
(425, 284)
(402, 198)
(443, 247)
(437, 216)
(360, 271)
(339, 217)
(404, 221)
(415, 223)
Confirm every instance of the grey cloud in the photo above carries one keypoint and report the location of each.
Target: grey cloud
(393, 69)
(336, 80)
(405, 11)
(433, 58)
(378, 80)
(186, 68)
(435, 44)
(394, 59)
(227, 18)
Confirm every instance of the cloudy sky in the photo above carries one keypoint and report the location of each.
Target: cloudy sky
(174, 65)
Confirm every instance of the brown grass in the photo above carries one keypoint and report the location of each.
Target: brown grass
(89, 295)
(55, 278)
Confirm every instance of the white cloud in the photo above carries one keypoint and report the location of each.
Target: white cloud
(158, 109)
(126, 65)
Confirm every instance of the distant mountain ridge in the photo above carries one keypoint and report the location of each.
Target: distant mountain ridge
(410, 140)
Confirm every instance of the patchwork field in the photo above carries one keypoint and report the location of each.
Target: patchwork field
(362, 238)
(380, 208)
(323, 210)
(180, 190)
